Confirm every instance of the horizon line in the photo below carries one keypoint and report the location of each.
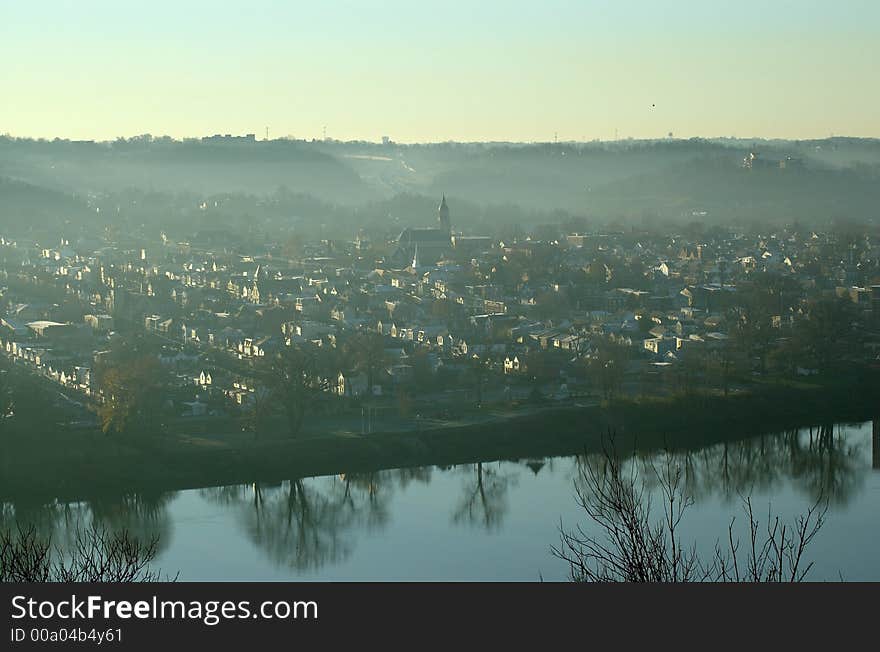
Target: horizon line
(250, 138)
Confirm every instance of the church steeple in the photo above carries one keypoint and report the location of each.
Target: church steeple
(443, 215)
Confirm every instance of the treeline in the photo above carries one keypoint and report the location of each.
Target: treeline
(632, 180)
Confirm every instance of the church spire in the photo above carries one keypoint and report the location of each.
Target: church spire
(443, 214)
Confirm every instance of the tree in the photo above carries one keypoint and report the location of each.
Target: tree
(132, 384)
(294, 384)
(691, 368)
(608, 368)
(96, 556)
(633, 546)
(422, 374)
(550, 304)
(479, 371)
(722, 363)
(258, 412)
(132, 394)
(825, 332)
(366, 352)
(751, 331)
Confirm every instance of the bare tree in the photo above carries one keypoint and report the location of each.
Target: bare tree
(366, 351)
(631, 545)
(294, 384)
(96, 556)
(257, 414)
(608, 369)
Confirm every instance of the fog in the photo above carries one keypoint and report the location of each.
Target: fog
(350, 183)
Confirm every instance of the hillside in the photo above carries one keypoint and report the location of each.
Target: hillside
(519, 183)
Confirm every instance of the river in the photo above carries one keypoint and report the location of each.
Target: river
(489, 521)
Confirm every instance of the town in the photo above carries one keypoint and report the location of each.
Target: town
(425, 327)
(505, 292)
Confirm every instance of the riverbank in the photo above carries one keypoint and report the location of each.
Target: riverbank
(73, 466)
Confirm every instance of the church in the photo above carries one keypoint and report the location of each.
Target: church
(419, 247)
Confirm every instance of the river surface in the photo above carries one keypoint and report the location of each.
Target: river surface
(489, 521)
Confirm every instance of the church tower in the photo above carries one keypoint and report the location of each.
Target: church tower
(443, 215)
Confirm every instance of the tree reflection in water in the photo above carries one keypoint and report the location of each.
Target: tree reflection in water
(822, 462)
(484, 499)
(828, 463)
(143, 515)
(307, 523)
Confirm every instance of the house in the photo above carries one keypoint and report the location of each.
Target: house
(251, 347)
(567, 342)
(351, 385)
(18, 329)
(445, 341)
(101, 323)
(660, 346)
(513, 365)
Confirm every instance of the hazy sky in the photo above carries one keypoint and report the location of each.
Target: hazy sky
(419, 70)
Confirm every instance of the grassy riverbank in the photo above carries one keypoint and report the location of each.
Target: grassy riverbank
(75, 465)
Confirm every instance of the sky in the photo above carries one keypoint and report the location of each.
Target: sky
(425, 71)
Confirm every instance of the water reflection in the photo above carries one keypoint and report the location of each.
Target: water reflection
(875, 445)
(822, 462)
(143, 515)
(306, 524)
(483, 502)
